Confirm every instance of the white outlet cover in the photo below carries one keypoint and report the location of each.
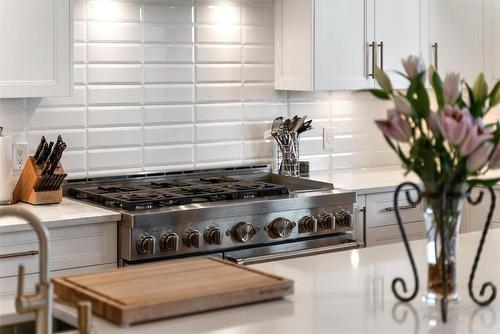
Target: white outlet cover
(328, 138)
(19, 155)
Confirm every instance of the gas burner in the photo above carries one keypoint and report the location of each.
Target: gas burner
(170, 184)
(218, 179)
(117, 188)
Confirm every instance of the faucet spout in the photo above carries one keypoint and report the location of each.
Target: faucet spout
(41, 301)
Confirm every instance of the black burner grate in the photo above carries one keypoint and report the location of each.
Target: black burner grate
(170, 192)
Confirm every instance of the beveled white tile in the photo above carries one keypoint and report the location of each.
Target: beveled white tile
(317, 162)
(218, 34)
(218, 92)
(257, 149)
(114, 137)
(255, 130)
(79, 9)
(263, 111)
(168, 74)
(168, 53)
(74, 161)
(169, 155)
(311, 146)
(258, 35)
(218, 12)
(76, 100)
(122, 11)
(79, 74)
(172, 134)
(75, 139)
(113, 159)
(218, 132)
(218, 53)
(58, 118)
(168, 114)
(364, 159)
(114, 95)
(114, 74)
(79, 34)
(262, 92)
(180, 93)
(79, 53)
(258, 15)
(258, 54)
(114, 116)
(168, 34)
(312, 109)
(224, 112)
(218, 73)
(258, 73)
(227, 151)
(113, 32)
(114, 53)
(169, 12)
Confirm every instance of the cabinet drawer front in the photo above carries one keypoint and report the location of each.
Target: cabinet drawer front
(71, 247)
(380, 209)
(384, 235)
(8, 285)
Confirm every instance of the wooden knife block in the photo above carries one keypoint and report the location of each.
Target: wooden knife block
(29, 180)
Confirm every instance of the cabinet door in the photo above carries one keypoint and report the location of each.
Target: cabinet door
(342, 52)
(397, 32)
(456, 30)
(36, 44)
(385, 235)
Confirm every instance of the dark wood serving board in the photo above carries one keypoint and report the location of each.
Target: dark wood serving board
(172, 288)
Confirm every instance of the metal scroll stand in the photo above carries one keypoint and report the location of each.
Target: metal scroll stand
(444, 300)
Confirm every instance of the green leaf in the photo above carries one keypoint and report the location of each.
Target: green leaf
(437, 84)
(483, 182)
(422, 103)
(480, 88)
(495, 95)
(383, 80)
(379, 93)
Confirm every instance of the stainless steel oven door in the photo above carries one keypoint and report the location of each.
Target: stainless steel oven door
(291, 250)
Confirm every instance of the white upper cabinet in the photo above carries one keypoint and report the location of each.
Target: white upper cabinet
(492, 40)
(334, 44)
(456, 36)
(35, 48)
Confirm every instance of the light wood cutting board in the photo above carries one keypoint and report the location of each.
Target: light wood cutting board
(172, 288)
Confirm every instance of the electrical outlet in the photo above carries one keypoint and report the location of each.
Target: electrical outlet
(19, 155)
(328, 136)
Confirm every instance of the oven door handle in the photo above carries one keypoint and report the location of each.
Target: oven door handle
(247, 260)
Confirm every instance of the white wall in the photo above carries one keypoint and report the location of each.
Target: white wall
(174, 85)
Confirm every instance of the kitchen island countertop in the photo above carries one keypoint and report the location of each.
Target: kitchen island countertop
(347, 292)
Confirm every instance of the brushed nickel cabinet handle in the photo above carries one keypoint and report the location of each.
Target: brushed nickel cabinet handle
(18, 254)
(374, 59)
(435, 51)
(381, 46)
(404, 207)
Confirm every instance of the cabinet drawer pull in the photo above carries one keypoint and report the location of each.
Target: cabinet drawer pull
(404, 207)
(435, 49)
(18, 254)
(381, 46)
(372, 46)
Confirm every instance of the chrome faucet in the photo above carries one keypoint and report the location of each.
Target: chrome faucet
(41, 301)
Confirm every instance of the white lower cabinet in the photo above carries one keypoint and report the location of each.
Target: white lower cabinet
(479, 213)
(74, 249)
(377, 236)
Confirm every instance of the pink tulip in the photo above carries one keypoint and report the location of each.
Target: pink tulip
(495, 158)
(434, 122)
(402, 104)
(479, 157)
(396, 127)
(475, 137)
(451, 88)
(414, 66)
(455, 123)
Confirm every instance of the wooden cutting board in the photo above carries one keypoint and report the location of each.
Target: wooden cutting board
(172, 288)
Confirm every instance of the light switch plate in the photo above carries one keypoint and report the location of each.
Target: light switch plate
(328, 136)
(19, 155)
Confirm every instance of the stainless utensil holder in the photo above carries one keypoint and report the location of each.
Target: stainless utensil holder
(288, 159)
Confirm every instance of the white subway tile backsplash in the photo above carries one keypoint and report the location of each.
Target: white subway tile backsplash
(113, 32)
(313, 109)
(224, 112)
(230, 34)
(174, 134)
(218, 92)
(168, 74)
(79, 75)
(57, 118)
(122, 11)
(255, 130)
(218, 132)
(74, 162)
(113, 137)
(168, 12)
(168, 114)
(79, 9)
(258, 54)
(262, 92)
(114, 53)
(114, 95)
(76, 100)
(228, 151)
(258, 35)
(218, 53)
(155, 33)
(218, 73)
(158, 94)
(75, 139)
(114, 74)
(169, 155)
(259, 111)
(258, 15)
(258, 73)
(79, 53)
(79, 31)
(257, 149)
(114, 116)
(98, 160)
(218, 12)
(168, 53)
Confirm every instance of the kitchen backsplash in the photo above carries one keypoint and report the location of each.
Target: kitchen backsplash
(174, 85)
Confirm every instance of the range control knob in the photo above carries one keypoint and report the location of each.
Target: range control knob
(281, 228)
(308, 224)
(192, 239)
(169, 242)
(245, 232)
(213, 236)
(146, 244)
(343, 217)
(327, 221)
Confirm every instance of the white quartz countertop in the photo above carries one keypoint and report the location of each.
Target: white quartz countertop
(67, 213)
(347, 292)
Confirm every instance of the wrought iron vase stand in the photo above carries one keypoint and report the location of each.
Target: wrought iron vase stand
(443, 236)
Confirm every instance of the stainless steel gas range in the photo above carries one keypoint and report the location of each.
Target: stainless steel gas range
(247, 215)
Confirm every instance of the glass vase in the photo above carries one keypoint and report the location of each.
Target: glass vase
(442, 215)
